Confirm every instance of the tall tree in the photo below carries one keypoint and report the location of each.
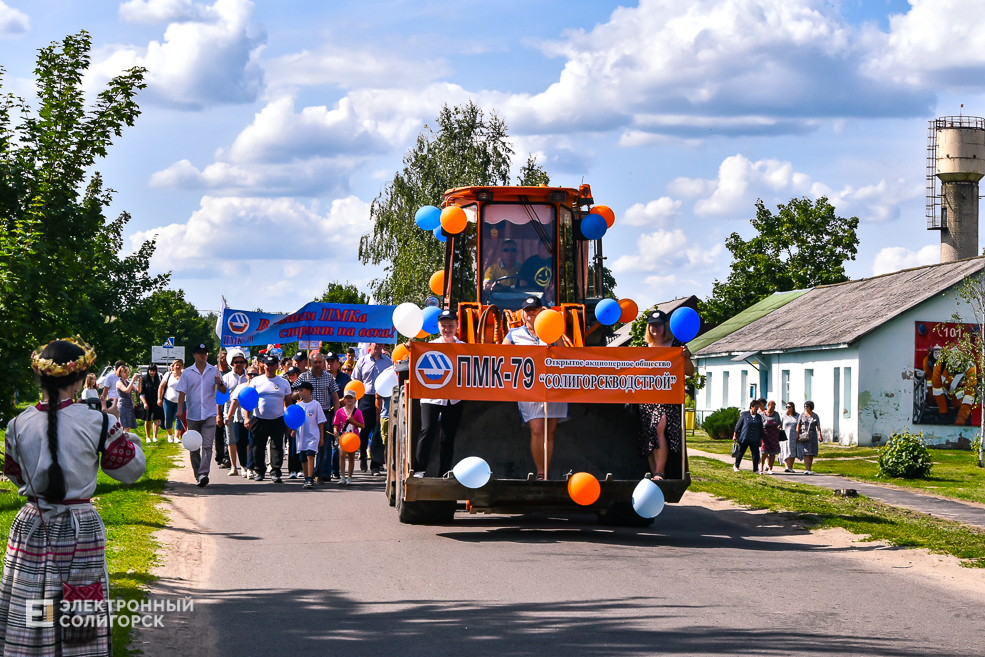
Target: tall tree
(60, 269)
(465, 148)
(164, 314)
(532, 174)
(340, 293)
(803, 245)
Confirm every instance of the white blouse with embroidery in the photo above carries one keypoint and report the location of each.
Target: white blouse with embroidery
(78, 444)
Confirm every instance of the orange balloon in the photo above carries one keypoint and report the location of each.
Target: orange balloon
(607, 214)
(629, 310)
(423, 334)
(583, 488)
(400, 352)
(357, 387)
(350, 442)
(549, 326)
(438, 282)
(454, 220)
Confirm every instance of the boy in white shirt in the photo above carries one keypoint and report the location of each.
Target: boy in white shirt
(310, 435)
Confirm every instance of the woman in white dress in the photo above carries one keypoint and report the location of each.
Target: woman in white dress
(57, 542)
(533, 412)
(788, 447)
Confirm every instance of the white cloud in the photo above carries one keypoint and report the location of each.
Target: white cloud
(163, 11)
(13, 21)
(666, 250)
(895, 258)
(654, 213)
(212, 59)
(876, 202)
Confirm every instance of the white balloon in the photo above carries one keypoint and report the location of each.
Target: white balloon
(408, 319)
(191, 440)
(386, 382)
(648, 499)
(472, 472)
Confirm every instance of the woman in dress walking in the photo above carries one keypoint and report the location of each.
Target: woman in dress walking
(153, 413)
(772, 427)
(126, 387)
(57, 542)
(661, 424)
(808, 436)
(788, 447)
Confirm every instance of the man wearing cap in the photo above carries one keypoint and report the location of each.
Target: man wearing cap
(367, 369)
(324, 391)
(266, 421)
(439, 417)
(197, 386)
(236, 434)
(334, 363)
(533, 412)
(301, 361)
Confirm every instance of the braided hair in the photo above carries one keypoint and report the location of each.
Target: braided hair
(61, 352)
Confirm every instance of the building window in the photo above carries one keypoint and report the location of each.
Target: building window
(744, 388)
(724, 389)
(784, 387)
(808, 385)
(847, 396)
(708, 390)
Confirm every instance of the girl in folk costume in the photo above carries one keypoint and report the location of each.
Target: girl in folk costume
(56, 549)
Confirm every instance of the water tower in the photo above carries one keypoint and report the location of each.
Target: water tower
(955, 157)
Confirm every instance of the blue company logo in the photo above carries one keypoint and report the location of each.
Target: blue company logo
(434, 370)
(238, 323)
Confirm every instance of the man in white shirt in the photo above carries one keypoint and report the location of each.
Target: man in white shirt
(197, 388)
(266, 421)
(236, 435)
(109, 390)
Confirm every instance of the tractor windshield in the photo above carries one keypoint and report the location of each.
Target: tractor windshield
(518, 253)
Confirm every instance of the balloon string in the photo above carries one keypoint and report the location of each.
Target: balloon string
(545, 440)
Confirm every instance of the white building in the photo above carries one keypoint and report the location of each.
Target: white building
(855, 349)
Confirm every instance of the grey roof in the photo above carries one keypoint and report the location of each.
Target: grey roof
(841, 314)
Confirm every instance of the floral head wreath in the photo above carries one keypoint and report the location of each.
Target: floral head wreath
(48, 367)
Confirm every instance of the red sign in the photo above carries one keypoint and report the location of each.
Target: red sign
(598, 375)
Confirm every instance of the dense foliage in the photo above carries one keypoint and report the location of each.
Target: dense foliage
(465, 148)
(60, 268)
(905, 456)
(721, 423)
(803, 245)
(340, 293)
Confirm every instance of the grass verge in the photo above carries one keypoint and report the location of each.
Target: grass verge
(131, 515)
(818, 508)
(700, 440)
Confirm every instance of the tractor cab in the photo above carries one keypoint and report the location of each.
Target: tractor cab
(523, 241)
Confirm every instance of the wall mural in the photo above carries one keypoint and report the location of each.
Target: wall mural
(944, 385)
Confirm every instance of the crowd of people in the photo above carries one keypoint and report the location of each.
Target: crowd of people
(768, 434)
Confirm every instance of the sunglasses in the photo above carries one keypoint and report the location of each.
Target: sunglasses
(509, 250)
(251, 374)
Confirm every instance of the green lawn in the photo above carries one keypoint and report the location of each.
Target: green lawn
(700, 440)
(819, 508)
(131, 515)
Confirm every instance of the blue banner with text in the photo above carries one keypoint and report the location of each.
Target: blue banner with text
(329, 322)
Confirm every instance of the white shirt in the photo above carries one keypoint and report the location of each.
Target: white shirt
(308, 434)
(199, 389)
(272, 392)
(443, 402)
(169, 392)
(523, 336)
(367, 369)
(90, 393)
(110, 383)
(233, 381)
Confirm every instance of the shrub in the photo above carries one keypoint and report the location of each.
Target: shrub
(905, 456)
(721, 423)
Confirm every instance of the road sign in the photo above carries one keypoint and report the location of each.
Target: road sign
(166, 354)
(169, 343)
(305, 345)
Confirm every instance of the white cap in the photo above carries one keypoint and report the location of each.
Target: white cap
(232, 353)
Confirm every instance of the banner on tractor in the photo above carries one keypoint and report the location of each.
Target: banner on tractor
(330, 322)
(595, 375)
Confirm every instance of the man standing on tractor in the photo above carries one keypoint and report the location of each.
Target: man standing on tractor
(533, 412)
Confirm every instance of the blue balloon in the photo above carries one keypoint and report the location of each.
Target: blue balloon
(441, 237)
(648, 499)
(428, 217)
(248, 398)
(593, 226)
(608, 311)
(431, 319)
(294, 417)
(684, 324)
(221, 397)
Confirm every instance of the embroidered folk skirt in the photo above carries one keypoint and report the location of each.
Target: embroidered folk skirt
(31, 572)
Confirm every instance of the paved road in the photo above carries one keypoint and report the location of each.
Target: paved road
(332, 572)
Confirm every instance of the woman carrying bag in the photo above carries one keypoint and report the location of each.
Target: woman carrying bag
(57, 542)
(808, 436)
(748, 433)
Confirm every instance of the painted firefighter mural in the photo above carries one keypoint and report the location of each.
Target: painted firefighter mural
(945, 379)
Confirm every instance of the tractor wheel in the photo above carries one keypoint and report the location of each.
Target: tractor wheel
(416, 513)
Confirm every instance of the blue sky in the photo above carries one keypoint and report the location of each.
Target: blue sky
(269, 127)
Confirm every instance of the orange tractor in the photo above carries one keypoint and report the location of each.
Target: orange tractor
(521, 242)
